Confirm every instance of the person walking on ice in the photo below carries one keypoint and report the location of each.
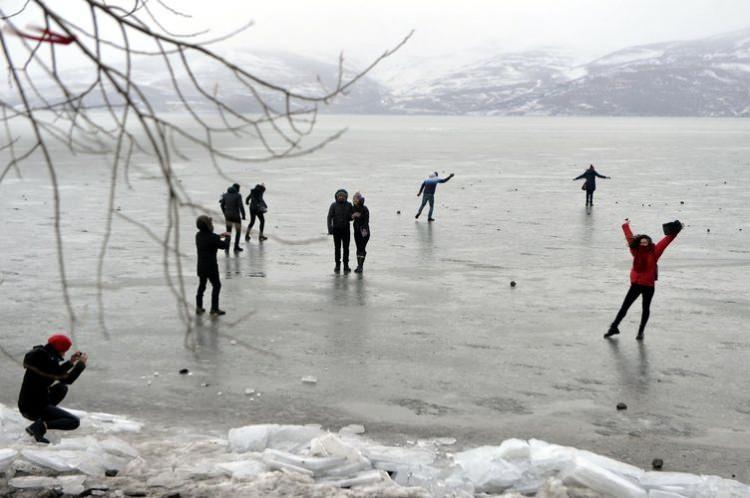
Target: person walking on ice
(644, 273)
(590, 184)
(234, 213)
(45, 385)
(258, 208)
(427, 191)
(207, 243)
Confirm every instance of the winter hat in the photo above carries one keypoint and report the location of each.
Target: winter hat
(203, 223)
(60, 342)
(433, 174)
(341, 191)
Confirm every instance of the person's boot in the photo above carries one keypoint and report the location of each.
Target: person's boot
(346, 267)
(218, 312)
(247, 236)
(639, 337)
(199, 309)
(337, 268)
(360, 262)
(613, 330)
(262, 237)
(37, 430)
(430, 219)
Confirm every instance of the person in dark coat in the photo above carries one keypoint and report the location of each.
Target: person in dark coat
(590, 184)
(234, 213)
(361, 217)
(207, 243)
(45, 384)
(339, 217)
(427, 191)
(258, 208)
(643, 275)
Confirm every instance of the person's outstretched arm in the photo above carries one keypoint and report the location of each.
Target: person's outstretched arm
(443, 180)
(582, 175)
(628, 235)
(663, 243)
(600, 176)
(420, 190)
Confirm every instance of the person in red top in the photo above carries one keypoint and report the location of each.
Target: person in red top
(643, 275)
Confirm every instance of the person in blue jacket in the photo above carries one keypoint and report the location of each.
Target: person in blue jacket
(427, 191)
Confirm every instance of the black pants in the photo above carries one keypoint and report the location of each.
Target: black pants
(589, 197)
(262, 219)
(361, 241)
(54, 417)
(341, 237)
(215, 289)
(633, 293)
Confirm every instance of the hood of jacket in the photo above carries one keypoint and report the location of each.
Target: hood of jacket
(340, 191)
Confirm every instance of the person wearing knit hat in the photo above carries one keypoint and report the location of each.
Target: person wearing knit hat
(45, 384)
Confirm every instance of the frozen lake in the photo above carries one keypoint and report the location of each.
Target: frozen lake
(431, 341)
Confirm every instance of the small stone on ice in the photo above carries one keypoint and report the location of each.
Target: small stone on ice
(249, 391)
(398, 212)
(512, 283)
(657, 464)
(622, 406)
(156, 374)
(184, 371)
(204, 384)
(148, 383)
(110, 472)
(309, 379)
(219, 393)
(232, 342)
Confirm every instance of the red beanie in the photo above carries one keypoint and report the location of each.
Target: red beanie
(60, 342)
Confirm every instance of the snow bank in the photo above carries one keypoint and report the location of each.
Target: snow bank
(272, 459)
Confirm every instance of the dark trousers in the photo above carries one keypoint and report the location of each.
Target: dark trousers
(54, 417)
(215, 289)
(341, 237)
(633, 293)
(589, 197)
(262, 219)
(361, 242)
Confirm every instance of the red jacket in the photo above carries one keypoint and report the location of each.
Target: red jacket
(644, 271)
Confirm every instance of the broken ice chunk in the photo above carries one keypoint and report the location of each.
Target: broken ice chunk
(599, 479)
(243, 469)
(309, 379)
(488, 472)
(6, 456)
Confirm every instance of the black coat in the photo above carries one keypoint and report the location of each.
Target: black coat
(44, 366)
(363, 221)
(339, 216)
(255, 200)
(590, 176)
(231, 205)
(207, 244)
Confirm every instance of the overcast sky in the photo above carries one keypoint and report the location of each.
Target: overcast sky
(363, 27)
(443, 27)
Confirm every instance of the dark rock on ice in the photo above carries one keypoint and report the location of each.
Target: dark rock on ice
(622, 406)
(657, 464)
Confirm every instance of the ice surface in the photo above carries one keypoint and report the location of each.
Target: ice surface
(282, 437)
(655, 493)
(31, 482)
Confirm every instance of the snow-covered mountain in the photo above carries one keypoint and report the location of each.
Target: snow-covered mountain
(706, 77)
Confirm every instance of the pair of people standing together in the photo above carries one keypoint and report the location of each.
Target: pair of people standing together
(234, 212)
(340, 214)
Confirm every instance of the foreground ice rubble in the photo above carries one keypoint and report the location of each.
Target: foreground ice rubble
(272, 459)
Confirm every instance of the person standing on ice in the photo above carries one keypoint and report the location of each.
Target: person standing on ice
(361, 217)
(643, 275)
(45, 384)
(234, 213)
(590, 184)
(257, 207)
(339, 217)
(427, 191)
(207, 243)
